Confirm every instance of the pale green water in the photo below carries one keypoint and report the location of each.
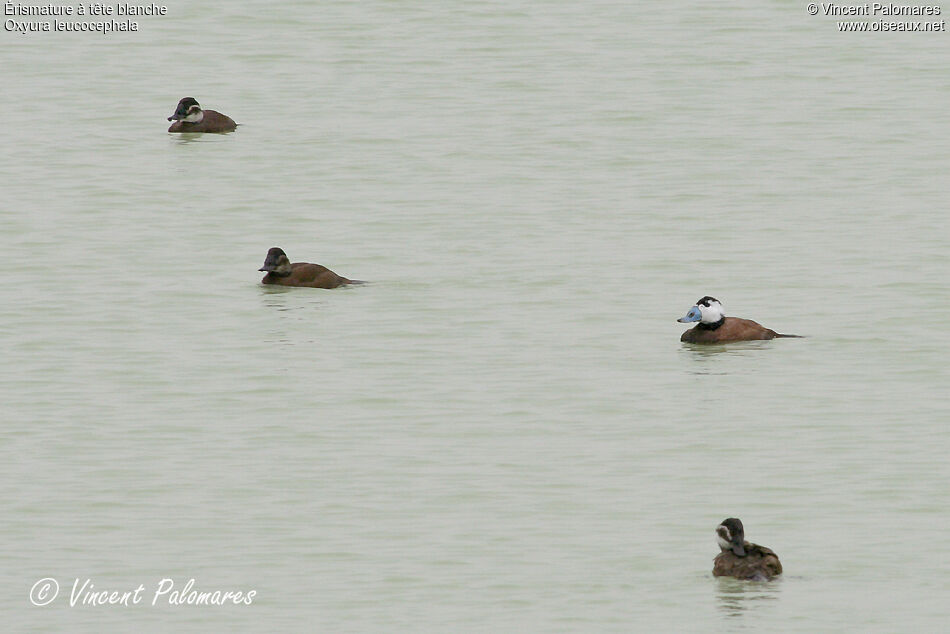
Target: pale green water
(502, 432)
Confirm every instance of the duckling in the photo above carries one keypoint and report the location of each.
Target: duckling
(281, 272)
(742, 559)
(715, 327)
(189, 117)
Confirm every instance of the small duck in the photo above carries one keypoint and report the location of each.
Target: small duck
(281, 272)
(189, 117)
(742, 559)
(715, 327)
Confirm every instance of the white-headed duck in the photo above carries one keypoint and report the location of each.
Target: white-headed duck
(715, 327)
(742, 559)
(281, 272)
(189, 117)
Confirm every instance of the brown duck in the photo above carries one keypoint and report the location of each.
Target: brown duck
(715, 327)
(742, 559)
(281, 272)
(189, 117)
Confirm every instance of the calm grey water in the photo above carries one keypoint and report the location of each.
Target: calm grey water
(502, 432)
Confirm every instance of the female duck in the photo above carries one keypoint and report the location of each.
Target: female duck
(189, 117)
(742, 559)
(715, 327)
(281, 272)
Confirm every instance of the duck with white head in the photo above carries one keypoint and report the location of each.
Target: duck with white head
(715, 327)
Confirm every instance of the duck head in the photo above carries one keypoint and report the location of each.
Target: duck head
(276, 262)
(188, 110)
(731, 536)
(707, 310)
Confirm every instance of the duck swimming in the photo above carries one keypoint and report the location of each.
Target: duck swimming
(742, 559)
(189, 117)
(715, 327)
(281, 272)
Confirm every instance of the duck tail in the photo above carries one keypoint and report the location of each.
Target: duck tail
(777, 335)
(356, 282)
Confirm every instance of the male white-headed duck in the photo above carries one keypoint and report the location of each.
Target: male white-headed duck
(742, 559)
(189, 117)
(715, 327)
(281, 272)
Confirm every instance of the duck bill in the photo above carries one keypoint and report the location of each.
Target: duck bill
(270, 265)
(691, 316)
(179, 114)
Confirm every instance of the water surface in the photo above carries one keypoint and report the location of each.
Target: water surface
(501, 431)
